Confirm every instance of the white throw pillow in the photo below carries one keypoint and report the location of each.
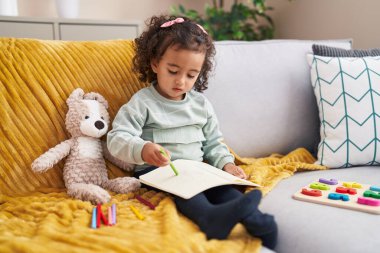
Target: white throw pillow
(348, 96)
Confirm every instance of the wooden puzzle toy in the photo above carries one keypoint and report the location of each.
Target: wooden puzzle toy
(350, 195)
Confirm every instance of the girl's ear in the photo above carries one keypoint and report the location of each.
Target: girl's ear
(154, 65)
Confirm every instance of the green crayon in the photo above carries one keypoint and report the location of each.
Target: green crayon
(170, 162)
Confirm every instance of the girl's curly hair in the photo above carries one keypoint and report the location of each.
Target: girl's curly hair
(153, 43)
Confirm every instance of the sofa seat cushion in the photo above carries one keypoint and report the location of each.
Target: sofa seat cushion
(313, 228)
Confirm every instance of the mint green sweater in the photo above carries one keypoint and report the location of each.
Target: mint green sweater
(187, 128)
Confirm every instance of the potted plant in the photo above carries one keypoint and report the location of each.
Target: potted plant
(243, 21)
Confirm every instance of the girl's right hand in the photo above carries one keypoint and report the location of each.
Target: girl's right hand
(151, 155)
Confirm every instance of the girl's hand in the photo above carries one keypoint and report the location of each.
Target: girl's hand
(235, 170)
(151, 155)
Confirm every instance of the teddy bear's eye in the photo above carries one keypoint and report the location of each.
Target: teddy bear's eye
(87, 117)
(102, 118)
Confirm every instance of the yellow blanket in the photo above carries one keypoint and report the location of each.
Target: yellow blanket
(52, 222)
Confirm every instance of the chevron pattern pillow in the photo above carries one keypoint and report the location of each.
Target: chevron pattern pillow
(348, 96)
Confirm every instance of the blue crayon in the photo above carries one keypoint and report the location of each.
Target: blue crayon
(93, 223)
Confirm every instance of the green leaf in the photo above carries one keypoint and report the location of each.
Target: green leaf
(182, 8)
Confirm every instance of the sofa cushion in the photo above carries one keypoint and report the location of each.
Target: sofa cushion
(263, 89)
(36, 79)
(348, 97)
(323, 50)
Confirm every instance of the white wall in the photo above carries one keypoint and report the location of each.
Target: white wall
(105, 9)
(297, 19)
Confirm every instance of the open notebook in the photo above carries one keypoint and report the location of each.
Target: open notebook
(193, 177)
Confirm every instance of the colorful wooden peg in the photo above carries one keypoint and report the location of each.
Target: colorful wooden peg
(338, 196)
(350, 191)
(368, 202)
(375, 188)
(332, 181)
(371, 194)
(313, 193)
(319, 186)
(352, 185)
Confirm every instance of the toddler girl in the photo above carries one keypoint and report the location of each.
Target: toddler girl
(175, 56)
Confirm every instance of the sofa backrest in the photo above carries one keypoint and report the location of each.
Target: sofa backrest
(262, 94)
(260, 91)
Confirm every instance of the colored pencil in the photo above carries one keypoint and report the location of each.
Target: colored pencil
(136, 212)
(93, 223)
(110, 220)
(145, 202)
(114, 214)
(98, 211)
(170, 162)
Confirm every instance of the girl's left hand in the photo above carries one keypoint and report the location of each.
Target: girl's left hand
(235, 170)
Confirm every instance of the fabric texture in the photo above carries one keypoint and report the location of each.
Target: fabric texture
(324, 50)
(348, 96)
(52, 222)
(36, 78)
(187, 128)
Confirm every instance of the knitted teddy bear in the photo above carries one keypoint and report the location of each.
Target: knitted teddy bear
(84, 172)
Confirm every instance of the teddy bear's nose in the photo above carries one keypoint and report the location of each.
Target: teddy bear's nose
(99, 125)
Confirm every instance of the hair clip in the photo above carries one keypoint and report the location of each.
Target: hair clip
(172, 22)
(178, 21)
(203, 30)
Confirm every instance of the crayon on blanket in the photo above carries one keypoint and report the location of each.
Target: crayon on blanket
(93, 220)
(110, 220)
(145, 202)
(103, 217)
(98, 210)
(136, 212)
(113, 213)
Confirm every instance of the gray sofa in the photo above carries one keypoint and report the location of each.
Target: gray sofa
(262, 94)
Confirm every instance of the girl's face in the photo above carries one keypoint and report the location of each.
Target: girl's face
(177, 71)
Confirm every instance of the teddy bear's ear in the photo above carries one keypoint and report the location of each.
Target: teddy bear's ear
(76, 95)
(97, 97)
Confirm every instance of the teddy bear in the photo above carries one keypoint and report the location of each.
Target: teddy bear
(84, 173)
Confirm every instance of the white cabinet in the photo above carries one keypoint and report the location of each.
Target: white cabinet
(96, 32)
(27, 30)
(67, 29)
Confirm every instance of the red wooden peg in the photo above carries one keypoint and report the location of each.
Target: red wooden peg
(346, 190)
(314, 193)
